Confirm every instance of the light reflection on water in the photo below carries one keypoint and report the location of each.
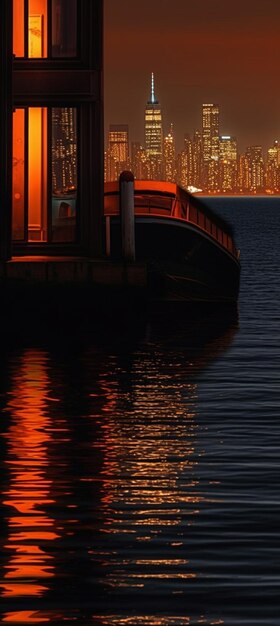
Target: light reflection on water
(28, 617)
(101, 478)
(24, 617)
(139, 466)
(27, 493)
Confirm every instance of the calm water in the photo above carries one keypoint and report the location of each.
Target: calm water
(140, 465)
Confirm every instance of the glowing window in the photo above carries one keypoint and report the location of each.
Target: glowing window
(19, 174)
(44, 150)
(37, 174)
(30, 174)
(37, 29)
(64, 173)
(45, 28)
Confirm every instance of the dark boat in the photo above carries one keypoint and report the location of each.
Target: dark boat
(189, 251)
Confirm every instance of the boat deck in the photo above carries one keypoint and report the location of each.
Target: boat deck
(170, 201)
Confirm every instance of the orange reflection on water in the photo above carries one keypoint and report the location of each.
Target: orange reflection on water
(28, 494)
(28, 617)
(10, 590)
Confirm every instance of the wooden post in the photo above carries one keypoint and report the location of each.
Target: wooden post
(126, 182)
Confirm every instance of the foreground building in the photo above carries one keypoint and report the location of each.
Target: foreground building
(51, 188)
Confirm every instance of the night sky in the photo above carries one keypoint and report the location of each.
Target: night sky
(200, 51)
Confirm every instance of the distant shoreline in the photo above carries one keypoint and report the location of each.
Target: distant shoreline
(236, 195)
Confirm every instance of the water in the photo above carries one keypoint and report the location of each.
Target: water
(140, 464)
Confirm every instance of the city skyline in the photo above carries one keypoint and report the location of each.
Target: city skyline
(179, 139)
(209, 52)
(210, 160)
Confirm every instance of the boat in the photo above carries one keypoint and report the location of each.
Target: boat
(189, 251)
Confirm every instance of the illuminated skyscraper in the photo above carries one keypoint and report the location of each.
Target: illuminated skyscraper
(154, 133)
(228, 163)
(118, 142)
(210, 146)
(185, 164)
(169, 157)
(197, 159)
(117, 154)
(189, 163)
(251, 170)
(140, 162)
(273, 168)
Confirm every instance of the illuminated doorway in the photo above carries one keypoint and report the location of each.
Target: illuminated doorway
(44, 174)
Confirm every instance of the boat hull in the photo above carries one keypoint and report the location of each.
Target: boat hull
(183, 262)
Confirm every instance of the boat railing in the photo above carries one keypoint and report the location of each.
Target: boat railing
(160, 205)
(199, 218)
(170, 205)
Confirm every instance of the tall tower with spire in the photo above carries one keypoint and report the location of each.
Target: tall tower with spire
(154, 134)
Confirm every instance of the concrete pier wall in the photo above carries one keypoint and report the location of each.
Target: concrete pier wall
(65, 270)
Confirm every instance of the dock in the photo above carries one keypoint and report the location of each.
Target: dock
(91, 273)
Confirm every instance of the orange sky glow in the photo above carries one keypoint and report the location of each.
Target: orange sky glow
(208, 51)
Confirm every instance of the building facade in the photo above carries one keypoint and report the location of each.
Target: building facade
(51, 127)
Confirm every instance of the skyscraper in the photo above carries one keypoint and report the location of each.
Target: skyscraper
(228, 163)
(251, 170)
(118, 142)
(169, 157)
(154, 133)
(197, 157)
(117, 155)
(210, 146)
(185, 164)
(273, 168)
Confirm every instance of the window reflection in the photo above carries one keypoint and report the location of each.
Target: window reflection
(64, 173)
(63, 17)
(64, 28)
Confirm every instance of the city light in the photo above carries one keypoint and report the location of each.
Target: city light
(210, 161)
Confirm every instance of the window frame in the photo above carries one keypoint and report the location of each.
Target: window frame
(49, 57)
(25, 242)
